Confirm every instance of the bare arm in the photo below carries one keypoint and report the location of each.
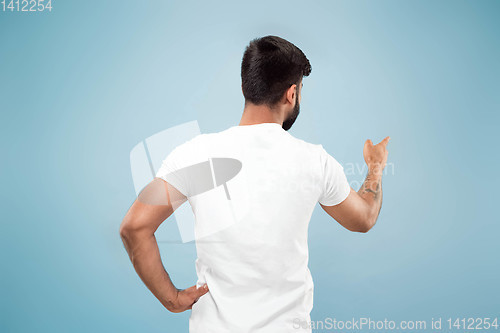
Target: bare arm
(155, 204)
(360, 210)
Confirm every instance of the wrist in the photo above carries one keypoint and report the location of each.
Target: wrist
(170, 301)
(375, 168)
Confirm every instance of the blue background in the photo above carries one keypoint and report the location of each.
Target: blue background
(81, 85)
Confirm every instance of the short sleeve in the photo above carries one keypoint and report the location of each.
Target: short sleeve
(172, 167)
(334, 184)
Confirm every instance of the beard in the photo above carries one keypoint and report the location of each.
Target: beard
(287, 124)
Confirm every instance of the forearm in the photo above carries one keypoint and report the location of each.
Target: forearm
(145, 256)
(371, 192)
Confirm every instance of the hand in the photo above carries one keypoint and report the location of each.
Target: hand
(186, 298)
(376, 155)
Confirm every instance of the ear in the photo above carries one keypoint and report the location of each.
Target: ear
(290, 93)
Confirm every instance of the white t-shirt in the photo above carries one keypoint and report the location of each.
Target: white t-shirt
(252, 232)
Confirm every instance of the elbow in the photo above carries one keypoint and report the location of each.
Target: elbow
(127, 229)
(123, 230)
(366, 225)
(132, 229)
(364, 229)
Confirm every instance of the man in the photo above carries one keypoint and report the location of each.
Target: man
(253, 274)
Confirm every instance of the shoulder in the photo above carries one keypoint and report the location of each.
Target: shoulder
(314, 149)
(183, 152)
(318, 153)
(204, 141)
(195, 150)
(191, 143)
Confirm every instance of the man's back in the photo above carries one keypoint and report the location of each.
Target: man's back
(252, 233)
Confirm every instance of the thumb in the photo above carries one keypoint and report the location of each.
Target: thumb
(368, 143)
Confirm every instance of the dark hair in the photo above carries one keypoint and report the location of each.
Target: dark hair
(269, 67)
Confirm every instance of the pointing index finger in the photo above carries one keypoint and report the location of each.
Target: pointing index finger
(386, 140)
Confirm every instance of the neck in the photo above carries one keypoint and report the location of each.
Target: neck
(257, 114)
